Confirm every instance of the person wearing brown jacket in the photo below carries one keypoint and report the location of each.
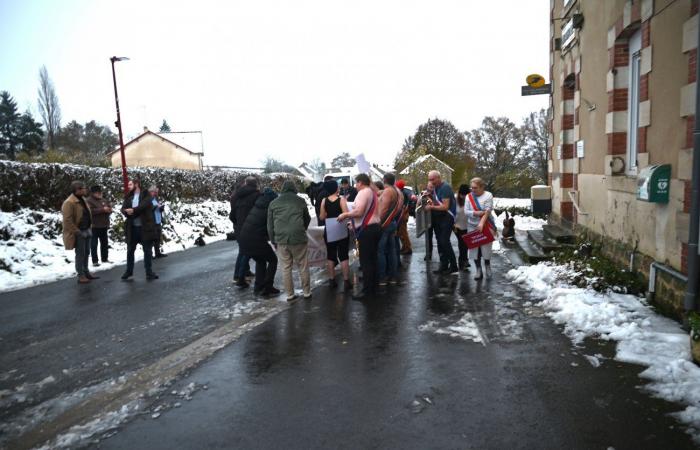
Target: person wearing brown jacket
(100, 210)
(77, 221)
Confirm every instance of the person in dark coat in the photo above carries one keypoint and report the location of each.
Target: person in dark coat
(242, 203)
(140, 228)
(255, 243)
(100, 209)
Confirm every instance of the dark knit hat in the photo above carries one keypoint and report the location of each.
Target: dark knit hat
(96, 188)
(464, 189)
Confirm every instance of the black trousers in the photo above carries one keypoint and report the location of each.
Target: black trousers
(136, 239)
(463, 258)
(99, 235)
(265, 269)
(443, 233)
(368, 246)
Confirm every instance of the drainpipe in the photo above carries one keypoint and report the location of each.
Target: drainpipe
(691, 293)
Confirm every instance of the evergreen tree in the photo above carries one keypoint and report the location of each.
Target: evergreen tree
(9, 121)
(164, 127)
(30, 134)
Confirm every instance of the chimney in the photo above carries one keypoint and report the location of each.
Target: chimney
(145, 128)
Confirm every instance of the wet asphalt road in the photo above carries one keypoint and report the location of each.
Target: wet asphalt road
(80, 335)
(336, 373)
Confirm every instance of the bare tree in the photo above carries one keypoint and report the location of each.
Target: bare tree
(537, 136)
(48, 107)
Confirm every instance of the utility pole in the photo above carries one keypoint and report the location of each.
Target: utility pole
(118, 123)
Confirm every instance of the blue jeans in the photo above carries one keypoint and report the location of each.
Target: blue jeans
(242, 265)
(387, 258)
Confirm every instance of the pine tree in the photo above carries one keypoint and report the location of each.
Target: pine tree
(165, 128)
(9, 119)
(30, 135)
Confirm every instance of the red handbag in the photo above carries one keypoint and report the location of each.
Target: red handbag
(476, 238)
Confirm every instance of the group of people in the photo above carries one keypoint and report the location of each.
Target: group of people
(86, 223)
(269, 227)
(272, 228)
(469, 211)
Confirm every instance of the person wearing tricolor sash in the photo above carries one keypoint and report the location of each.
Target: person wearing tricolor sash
(365, 223)
(443, 211)
(478, 208)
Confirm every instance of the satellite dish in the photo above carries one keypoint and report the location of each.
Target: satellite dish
(534, 80)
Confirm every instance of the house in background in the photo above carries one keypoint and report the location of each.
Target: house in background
(172, 150)
(416, 173)
(309, 173)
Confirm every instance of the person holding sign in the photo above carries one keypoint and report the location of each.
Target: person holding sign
(478, 209)
(336, 234)
(365, 222)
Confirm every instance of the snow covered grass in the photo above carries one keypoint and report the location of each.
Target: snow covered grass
(643, 337)
(31, 243)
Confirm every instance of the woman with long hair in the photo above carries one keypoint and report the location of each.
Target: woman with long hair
(461, 226)
(337, 251)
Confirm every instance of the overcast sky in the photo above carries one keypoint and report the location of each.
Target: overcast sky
(289, 79)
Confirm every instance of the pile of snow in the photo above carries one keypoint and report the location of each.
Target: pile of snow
(31, 243)
(503, 203)
(643, 337)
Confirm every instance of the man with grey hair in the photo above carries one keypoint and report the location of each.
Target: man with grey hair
(158, 209)
(77, 223)
(443, 210)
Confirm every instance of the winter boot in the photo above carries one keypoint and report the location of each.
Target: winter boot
(479, 274)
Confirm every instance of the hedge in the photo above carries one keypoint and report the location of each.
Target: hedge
(45, 186)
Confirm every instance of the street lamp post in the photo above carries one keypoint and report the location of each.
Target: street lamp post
(118, 123)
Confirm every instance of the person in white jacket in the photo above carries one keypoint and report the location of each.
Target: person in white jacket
(478, 208)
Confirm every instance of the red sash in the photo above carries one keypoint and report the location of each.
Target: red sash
(395, 211)
(367, 217)
(477, 207)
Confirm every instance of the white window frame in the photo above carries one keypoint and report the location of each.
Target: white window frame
(635, 59)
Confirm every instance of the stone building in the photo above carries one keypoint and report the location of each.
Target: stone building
(172, 150)
(622, 106)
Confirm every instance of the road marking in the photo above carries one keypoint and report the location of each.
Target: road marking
(151, 377)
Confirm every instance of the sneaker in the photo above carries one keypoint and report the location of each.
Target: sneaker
(242, 284)
(383, 282)
(307, 296)
(291, 298)
(106, 261)
(271, 291)
(151, 276)
(236, 279)
(392, 281)
(127, 275)
(83, 280)
(90, 276)
(95, 264)
(452, 271)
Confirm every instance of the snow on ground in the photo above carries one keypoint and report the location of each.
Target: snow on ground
(502, 203)
(643, 337)
(31, 243)
(465, 328)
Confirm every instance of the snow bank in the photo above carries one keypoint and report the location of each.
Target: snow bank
(503, 203)
(643, 337)
(31, 243)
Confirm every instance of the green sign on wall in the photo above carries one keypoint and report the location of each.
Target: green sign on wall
(654, 183)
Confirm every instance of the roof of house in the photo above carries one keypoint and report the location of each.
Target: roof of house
(190, 141)
(421, 160)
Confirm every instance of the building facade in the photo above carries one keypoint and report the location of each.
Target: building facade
(623, 100)
(168, 150)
